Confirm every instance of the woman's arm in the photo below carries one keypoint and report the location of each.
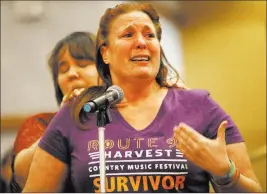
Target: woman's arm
(247, 181)
(47, 173)
(22, 164)
(30, 131)
(25, 145)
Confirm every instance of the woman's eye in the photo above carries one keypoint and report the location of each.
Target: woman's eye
(150, 35)
(127, 35)
(63, 68)
(82, 64)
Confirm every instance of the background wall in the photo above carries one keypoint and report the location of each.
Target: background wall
(224, 51)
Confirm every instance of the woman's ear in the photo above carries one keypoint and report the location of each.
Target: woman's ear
(104, 53)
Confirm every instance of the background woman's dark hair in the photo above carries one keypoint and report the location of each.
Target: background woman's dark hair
(81, 45)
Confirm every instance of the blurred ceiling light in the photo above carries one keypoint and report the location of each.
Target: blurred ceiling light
(28, 11)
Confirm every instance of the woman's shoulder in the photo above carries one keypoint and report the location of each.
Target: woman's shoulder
(31, 130)
(41, 120)
(196, 95)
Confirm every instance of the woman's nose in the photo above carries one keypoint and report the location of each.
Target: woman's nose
(140, 42)
(73, 73)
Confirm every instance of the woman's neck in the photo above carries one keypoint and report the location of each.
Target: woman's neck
(138, 92)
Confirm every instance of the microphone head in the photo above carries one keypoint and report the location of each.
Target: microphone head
(119, 92)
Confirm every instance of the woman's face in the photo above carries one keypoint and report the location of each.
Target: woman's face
(74, 73)
(133, 49)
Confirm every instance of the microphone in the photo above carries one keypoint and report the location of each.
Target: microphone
(113, 95)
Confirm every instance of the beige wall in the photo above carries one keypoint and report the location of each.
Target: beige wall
(224, 45)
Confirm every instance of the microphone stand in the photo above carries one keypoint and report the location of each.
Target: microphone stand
(103, 117)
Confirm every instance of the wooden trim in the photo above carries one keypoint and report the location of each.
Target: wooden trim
(12, 122)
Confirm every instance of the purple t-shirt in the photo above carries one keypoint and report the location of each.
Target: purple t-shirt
(139, 161)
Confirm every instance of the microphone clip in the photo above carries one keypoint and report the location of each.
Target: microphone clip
(103, 116)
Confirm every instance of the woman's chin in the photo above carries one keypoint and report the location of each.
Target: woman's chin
(144, 75)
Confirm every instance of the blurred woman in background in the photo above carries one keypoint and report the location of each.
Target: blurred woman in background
(72, 64)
